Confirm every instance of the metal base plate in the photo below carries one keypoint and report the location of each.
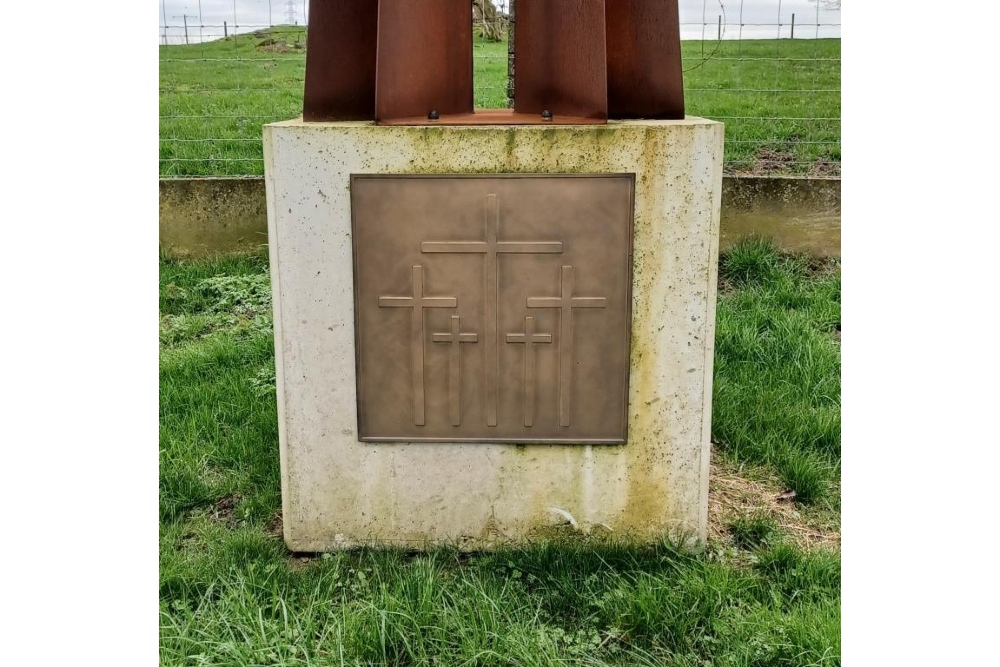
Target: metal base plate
(493, 308)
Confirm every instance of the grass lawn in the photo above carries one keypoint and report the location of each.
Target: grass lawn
(780, 100)
(766, 590)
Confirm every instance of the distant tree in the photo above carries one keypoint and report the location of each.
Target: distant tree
(828, 4)
(490, 23)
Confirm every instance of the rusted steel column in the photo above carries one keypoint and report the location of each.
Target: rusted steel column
(561, 58)
(644, 60)
(424, 60)
(340, 61)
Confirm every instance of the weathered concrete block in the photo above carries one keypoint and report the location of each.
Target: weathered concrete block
(208, 216)
(339, 492)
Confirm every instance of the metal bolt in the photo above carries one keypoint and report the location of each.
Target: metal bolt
(546, 115)
(433, 115)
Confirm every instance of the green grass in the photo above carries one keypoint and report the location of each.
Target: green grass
(780, 100)
(754, 529)
(230, 594)
(777, 367)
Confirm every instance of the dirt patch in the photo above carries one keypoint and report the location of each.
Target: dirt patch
(297, 561)
(824, 170)
(279, 45)
(224, 510)
(774, 161)
(732, 495)
(782, 161)
(821, 266)
(276, 47)
(725, 287)
(277, 526)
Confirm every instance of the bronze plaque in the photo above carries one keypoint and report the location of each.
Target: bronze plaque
(493, 308)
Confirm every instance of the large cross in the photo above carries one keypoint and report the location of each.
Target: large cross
(491, 247)
(566, 302)
(529, 338)
(417, 302)
(456, 338)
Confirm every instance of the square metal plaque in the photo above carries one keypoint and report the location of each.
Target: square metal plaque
(493, 308)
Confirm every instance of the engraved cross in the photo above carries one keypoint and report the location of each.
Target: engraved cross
(566, 302)
(456, 338)
(492, 247)
(417, 302)
(529, 338)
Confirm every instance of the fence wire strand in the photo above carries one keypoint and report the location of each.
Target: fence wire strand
(773, 79)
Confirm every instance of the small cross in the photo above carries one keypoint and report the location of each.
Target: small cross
(566, 302)
(417, 302)
(529, 338)
(456, 338)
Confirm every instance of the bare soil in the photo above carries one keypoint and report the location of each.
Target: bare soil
(733, 493)
(772, 161)
(224, 510)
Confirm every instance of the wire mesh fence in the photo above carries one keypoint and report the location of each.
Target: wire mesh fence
(768, 69)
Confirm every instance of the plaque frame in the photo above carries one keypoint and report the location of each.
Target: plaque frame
(433, 338)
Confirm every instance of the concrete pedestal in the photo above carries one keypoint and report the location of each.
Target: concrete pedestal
(339, 492)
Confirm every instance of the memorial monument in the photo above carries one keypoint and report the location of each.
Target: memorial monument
(492, 322)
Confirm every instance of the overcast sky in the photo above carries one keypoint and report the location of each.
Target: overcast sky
(760, 18)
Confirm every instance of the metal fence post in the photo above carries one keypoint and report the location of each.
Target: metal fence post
(510, 55)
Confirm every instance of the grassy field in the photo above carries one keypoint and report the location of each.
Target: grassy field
(780, 99)
(765, 592)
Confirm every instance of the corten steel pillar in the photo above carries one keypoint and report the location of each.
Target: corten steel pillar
(581, 61)
(424, 60)
(644, 60)
(340, 65)
(561, 58)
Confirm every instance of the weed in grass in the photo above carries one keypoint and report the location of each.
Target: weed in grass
(249, 294)
(264, 381)
(754, 529)
(239, 304)
(179, 279)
